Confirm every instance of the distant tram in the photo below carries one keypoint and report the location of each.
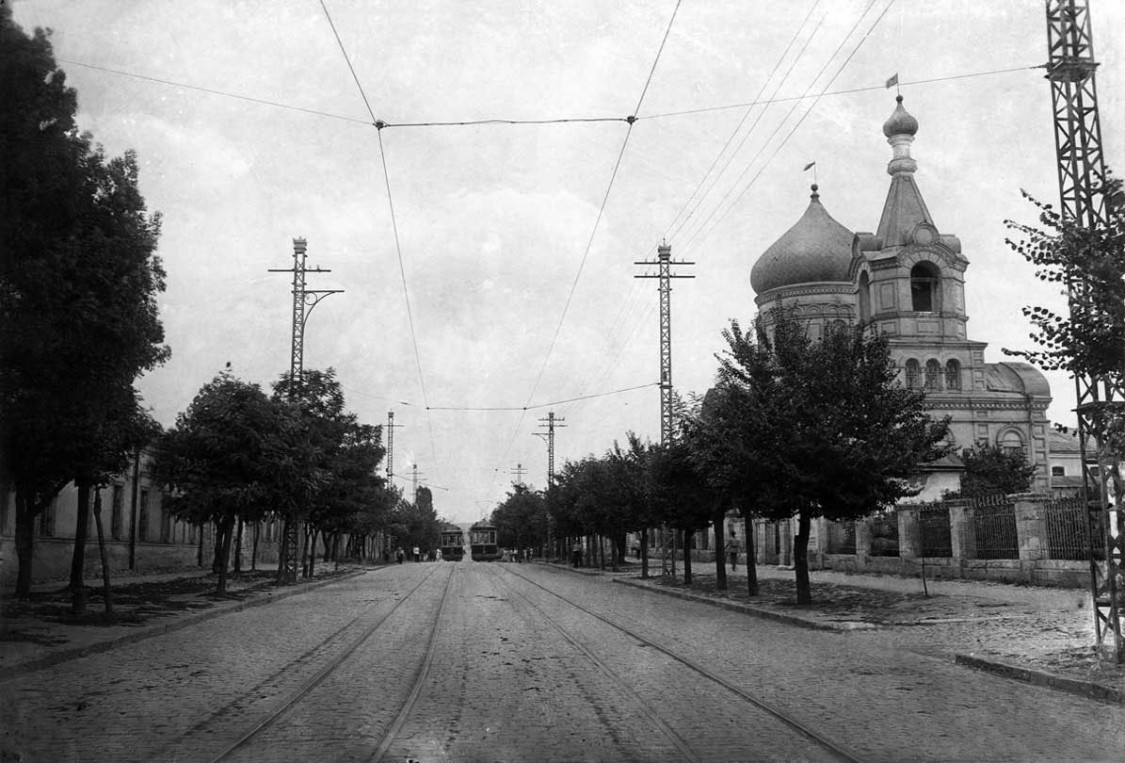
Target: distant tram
(482, 539)
(452, 543)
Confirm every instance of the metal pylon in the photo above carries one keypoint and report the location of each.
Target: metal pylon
(1082, 188)
(304, 300)
(664, 273)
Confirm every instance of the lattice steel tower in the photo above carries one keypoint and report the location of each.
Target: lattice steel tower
(304, 300)
(1082, 188)
(664, 272)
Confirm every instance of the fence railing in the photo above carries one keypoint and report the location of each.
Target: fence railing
(1068, 529)
(994, 528)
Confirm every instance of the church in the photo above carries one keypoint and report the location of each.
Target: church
(908, 280)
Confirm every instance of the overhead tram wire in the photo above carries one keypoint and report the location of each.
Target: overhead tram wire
(597, 221)
(487, 408)
(700, 232)
(394, 228)
(742, 121)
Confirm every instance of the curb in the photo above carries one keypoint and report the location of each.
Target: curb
(1039, 678)
(745, 609)
(65, 655)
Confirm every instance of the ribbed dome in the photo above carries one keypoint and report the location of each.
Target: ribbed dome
(817, 248)
(900, 122)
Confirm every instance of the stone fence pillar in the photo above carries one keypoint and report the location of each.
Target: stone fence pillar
(909, 533)
(962, 537)
(1031, 526)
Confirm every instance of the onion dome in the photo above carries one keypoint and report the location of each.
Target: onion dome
(900, 122)
(817, 248)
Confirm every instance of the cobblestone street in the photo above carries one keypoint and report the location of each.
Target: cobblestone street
(467, 662)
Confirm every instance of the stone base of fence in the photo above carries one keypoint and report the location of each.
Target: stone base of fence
(1060, 574)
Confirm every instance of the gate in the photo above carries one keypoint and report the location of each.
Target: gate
(994, 528)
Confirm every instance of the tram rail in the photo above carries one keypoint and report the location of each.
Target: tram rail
(835, 748)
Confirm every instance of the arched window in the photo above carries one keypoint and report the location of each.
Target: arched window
(933, 375)
(953, 375)
(1011, 442)
(924, 287)
(913, 373)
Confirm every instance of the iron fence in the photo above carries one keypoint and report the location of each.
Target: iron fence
(933, 524)
(994, 528)
(1068, 530)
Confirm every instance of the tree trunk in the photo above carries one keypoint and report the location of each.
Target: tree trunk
(687, 544)
(78, 556)
(219, 562)
(106, 592)
(801, 558)
(310, 552)
(254, 547)
(283, 552)
(718, 521)
(238, 547)
(226, 531)
(751, 557)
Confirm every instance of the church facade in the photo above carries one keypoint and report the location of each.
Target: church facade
(907, 279)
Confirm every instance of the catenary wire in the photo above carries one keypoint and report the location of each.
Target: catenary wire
(542, 405)
(701, 231)
(597, 221)
(394, 228)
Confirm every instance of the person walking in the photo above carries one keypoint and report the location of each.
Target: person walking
(732, 550)
(417, 554)
(400, 554)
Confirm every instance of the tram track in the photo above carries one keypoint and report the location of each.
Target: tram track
(836, 749)
(247, 738)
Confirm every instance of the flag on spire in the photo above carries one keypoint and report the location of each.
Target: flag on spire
(809, 166)
(893, 81)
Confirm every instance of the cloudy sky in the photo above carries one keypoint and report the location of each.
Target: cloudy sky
(502, 288)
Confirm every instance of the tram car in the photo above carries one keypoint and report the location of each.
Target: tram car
(452, 543)
(482, 540)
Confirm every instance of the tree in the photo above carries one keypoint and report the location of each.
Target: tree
(989, 469)
(680, 494)
(234, 453)
(521, 519)
(838, 435)
(1089, 342)
(78, 286)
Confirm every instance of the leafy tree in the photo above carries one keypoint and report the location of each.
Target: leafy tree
(838, 435)
(680, 494)
(989, 469)
(78, 286)
(234, 454)
(1089, 342)
(521, 519)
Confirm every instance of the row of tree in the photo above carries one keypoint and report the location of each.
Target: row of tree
(793, 428)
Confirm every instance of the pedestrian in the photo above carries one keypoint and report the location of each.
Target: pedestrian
(400, 554)
(732, 550)
(576, 554)
(417, 554)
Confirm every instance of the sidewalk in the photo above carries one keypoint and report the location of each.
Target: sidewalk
(1043, 636)
(42, 632)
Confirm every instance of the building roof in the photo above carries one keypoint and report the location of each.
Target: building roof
(816, 248)
(1016, 377)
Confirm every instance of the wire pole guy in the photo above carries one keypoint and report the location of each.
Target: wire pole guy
(304, 300)
(664, 263)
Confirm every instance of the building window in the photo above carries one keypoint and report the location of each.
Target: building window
(142, 521)
(924, 287)
(864, 298)
(953, 375)
(1011, 442)
(913, 373)
(933, 375)
(117, 512)
(1058, 471)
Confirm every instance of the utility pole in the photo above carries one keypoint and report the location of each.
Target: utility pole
(518, 471)
(552, 422)
(664, 263)
(304, 300)
(416, 484)
(1082, 188)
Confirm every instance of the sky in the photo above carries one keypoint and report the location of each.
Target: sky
(487, 270)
